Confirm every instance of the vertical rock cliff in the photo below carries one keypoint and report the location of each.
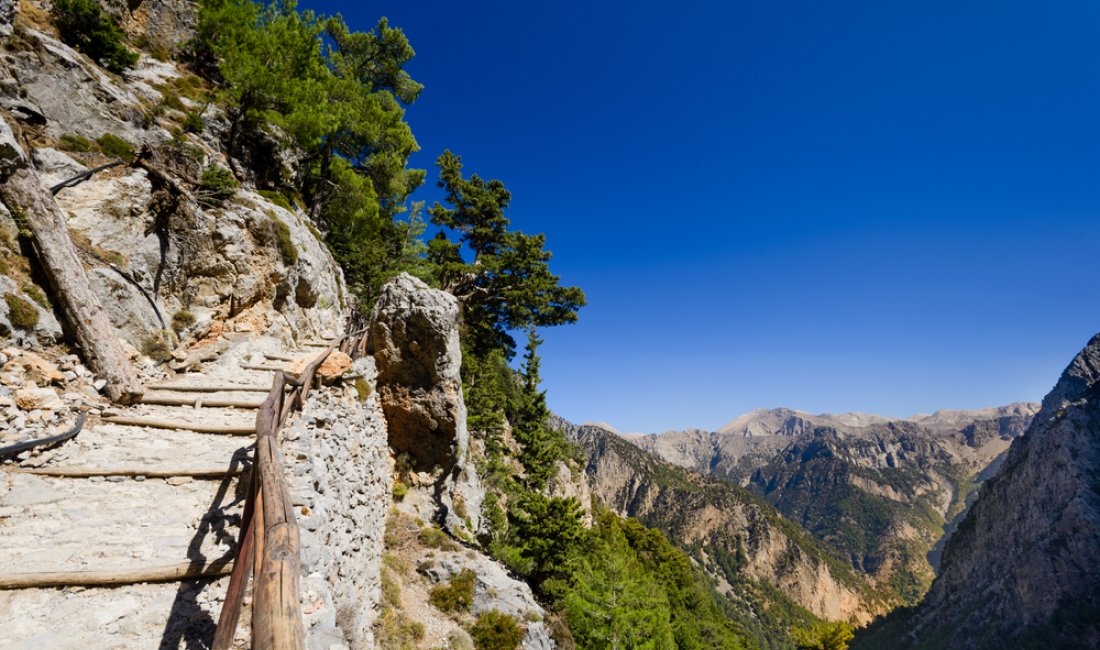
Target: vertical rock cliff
(1023, 568)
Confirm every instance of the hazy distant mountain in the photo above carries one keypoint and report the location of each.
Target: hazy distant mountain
(880, 491)
(1023, 568)
(769, 569)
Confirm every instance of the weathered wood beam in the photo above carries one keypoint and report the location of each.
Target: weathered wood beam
(210, 388)
(171, 573)
(181, 425)
(199, 400)
(148, 472)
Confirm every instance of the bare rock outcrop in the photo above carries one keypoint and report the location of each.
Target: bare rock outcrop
(1023, 568)
(414, 337)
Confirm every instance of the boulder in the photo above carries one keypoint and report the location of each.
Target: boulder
(414, 336)
(11, 153)
(33, 397)
(334, 365)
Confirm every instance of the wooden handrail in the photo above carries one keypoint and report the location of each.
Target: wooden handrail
(268, 548)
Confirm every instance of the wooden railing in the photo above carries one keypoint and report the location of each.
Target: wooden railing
(268, 548)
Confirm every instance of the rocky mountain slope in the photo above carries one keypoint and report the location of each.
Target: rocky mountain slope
(768, 568)
(1023, 568)
(880, 492)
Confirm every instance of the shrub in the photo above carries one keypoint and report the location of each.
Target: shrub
(399, 490)
(194, 123)
(362, 390)
(75, 143)
(455, 596)
(398, 631)
(155, 346)
(216, 185)
(21, 313)
(497, 631)
(83, 25)
(435, 538)
(35, 293)
(286, 242)
(278, 198)
(112, 145)
(181, 320)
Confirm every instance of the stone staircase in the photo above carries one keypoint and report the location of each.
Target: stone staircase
(124, 497)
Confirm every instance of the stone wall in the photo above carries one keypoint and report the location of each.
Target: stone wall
(337, 454)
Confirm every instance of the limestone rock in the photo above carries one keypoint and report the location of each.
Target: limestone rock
(33, 397)
(34, 368)
(11, 152)
(334, 365)
(414, 335)
(47, 328)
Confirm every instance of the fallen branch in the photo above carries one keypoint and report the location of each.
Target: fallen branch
(83, 176)
(152, 303)
(170, 573)
(147, 472)
(18, 448)
(240, 430)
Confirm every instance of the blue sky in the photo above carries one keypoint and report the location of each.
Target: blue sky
(859, 206)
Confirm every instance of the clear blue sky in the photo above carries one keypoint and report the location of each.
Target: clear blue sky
(859, 206)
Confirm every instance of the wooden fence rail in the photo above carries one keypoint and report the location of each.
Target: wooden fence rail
(268, 549)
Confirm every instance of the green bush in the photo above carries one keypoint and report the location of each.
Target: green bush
(435, 538)
(457, 595)
(216, 185)
(362, 390)
(35, 293)
(286, 242)
(194, 123)
(83, 25)
(398, 631)
(75, 143)
(497, 631)
(278, 198)
(399, 490)
(21, 313)
(181, 320)
(112, 145)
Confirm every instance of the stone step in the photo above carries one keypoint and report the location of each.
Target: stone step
(57, 524)
(103, 445)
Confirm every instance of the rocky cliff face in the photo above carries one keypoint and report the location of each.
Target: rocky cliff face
(152, 246)
(758, 558)
(1023, 568)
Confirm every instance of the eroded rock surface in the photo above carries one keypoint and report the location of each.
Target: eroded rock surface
(1024, 566)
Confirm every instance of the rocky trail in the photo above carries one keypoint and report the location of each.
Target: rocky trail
(124, 497)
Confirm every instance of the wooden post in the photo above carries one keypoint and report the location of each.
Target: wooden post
(25, 195)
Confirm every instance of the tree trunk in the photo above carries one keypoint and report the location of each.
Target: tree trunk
(24, 193)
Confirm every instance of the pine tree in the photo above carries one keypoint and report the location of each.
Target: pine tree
(508, 284)
(615, 604)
